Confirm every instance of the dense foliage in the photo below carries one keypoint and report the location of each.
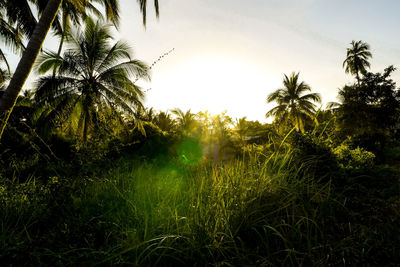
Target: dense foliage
(369, 110)
(89, 176)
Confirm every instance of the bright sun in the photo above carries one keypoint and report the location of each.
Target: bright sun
(213, 84)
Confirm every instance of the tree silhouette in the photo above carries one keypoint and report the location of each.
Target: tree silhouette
(70, 15)
(370, 110)
(356, 61)
(293, 104)
(186, 120)
(164, 121)
(8, 99)
(92, 74)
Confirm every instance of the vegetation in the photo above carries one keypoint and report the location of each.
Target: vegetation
(89, 176)
(293, 105)
(47, 17)
(91, 76)
(356, 61)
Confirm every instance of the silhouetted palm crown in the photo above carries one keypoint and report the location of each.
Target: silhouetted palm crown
(293, 104)
(356, 61)
(92, 74)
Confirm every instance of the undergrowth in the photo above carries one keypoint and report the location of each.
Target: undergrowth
(262, 211)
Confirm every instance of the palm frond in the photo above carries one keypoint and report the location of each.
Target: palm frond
(292, 105)
(314, 97)
(47, 61)
(143, 9)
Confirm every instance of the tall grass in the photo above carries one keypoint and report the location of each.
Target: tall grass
(260, 211)
(235, 212)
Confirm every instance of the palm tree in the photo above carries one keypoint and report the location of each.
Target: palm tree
(10, 95)
(73, 14)
(70, 15)
(91, 75)
(9, 98)
(357, 57)
(185, 120)
(142, 117)
(19, 13)
(293, 104)
(164, 121)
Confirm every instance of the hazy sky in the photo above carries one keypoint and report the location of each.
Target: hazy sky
(230, 54)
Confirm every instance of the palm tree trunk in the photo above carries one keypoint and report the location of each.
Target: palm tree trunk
(9, 98)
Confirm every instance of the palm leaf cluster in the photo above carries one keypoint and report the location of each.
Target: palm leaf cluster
(293, 104)
(186, 120)
(11, 32)
(92, 75)
(56, 13)
(164, 121)
(356, 61)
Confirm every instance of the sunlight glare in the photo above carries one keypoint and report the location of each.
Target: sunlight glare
(213, 84)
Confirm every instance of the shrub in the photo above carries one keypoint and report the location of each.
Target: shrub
(314, 155)
(353, 158)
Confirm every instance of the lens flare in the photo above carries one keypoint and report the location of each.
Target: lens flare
(190, 152)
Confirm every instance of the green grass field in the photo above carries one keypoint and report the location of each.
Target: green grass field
(256, 211)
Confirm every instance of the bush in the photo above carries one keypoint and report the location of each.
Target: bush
(314, 155)
(353, 158)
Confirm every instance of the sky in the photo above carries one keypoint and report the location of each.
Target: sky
(230, 54)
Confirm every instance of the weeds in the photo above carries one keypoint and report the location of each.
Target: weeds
(259, 211)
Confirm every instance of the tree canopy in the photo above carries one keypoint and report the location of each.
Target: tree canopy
(293, 104)
(357, 56)
(92, 74)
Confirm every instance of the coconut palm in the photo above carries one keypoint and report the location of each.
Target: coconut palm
(164, 121)
(356, 61)
(20, 13)
(8, 99)
(293, 104)
(91, 75)
(142, 117)
(73, 15)
(73, 12)
(186, 120)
